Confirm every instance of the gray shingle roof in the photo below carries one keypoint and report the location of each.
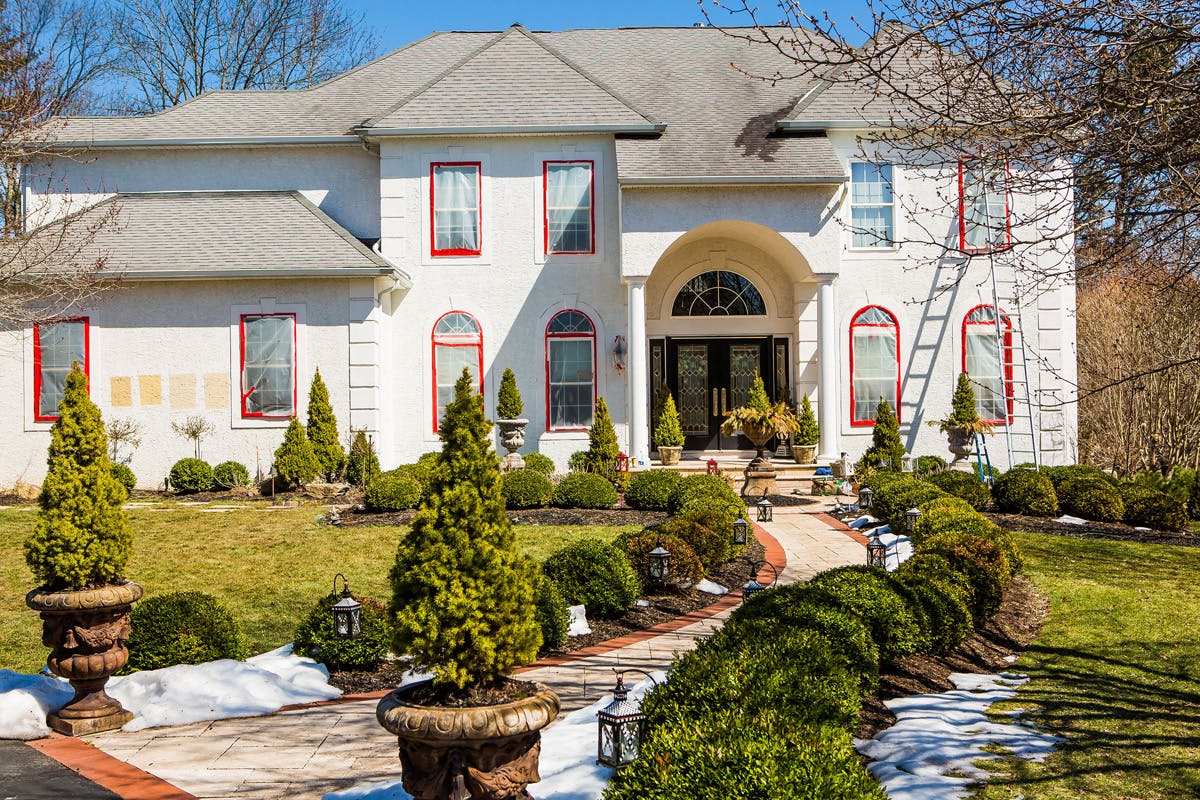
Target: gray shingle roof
(225, 234)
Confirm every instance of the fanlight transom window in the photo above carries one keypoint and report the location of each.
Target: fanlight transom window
(719, 293)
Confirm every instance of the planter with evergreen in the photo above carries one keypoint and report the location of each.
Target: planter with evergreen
(78, 550)
(807, 435)
(463, 609)
(509, 409)
(758, 421)
(323, 431)
(963, 423)
(668, 432)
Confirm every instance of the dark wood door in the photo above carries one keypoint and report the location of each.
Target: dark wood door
(710, 377)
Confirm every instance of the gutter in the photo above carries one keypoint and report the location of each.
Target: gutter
(202, 141)
(735, 180)
(507, 130)
(208, 275)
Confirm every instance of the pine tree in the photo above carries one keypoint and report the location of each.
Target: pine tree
(758, 399)
(808, 434)
(886, 450)
(602, 438)
(323, 430)
(82, 536)
(509, 405)
(362, 466)
(668, 432)
(462, 597)
(295, 460)
(962, 406)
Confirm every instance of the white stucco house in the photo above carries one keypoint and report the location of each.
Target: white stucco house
(603, 211)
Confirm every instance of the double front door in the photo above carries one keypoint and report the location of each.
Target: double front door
(710, 377)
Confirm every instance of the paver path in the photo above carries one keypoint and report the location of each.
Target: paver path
(302, 755)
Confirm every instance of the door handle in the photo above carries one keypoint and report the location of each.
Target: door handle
(724, 407)
(715, 407)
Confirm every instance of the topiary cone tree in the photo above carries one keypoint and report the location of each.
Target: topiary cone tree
(603, 448)
(963, 422)
(962, 406)
(668, 432)
(323, 431)
(886, 450)
(509, 404)
(81, 542)
(295, 460)
(362, 465)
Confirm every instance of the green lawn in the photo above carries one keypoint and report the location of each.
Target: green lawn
(1116, 671)
(268, 566)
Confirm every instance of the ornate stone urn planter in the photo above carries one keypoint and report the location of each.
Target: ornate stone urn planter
(758, 435)
(481, 753)
(86, 631)
(512, 439)
(669, 456)
(959, 438)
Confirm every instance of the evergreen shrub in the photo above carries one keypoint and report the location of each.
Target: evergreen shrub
(668, 432)
(808, 433)
(596, 574)
(877, 480)
(685, 566)
(946, 607)
(362, 465)
(315, 636)
(230, 475)
(711, 547)
(965, 485)
(651, 490)
(603, 448)
(584, 490)
(540, 463)
(323, 431)
(1091, 498)
(1058, 475)
(509, 404)
(895, 625)
(552, 614)
(886, 450)
(125, 476)
(1025, 491)
(525, 488)
(928, 465)
(893, 500)
(295, 460)
(191, 475)
(705, 490)
(578, 462)
(183, 628)
(1152, 509)
(983, 563)
(392, 491)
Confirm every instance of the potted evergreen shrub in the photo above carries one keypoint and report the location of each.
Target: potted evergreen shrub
(668, 432)
(463, 609)
(758, 420)
(78, 550)
(963, 423)
(508, 419)
(807, 435)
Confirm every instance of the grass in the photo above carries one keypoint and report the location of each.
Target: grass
(1116, 672)
(269, 567)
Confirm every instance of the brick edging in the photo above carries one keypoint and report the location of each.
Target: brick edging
(123, 779)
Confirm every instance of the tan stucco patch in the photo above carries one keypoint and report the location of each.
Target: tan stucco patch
(216, 390)
(183, 391)
(150, 389)
(120, 391)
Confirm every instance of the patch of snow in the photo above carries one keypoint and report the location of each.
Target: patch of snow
(1067, 519)
(708, 587)
(932, 750)
(883, 529)
(567, 765)
(1141, 529)
(1009, 659)
(579, 624)
(863, 522)
(25, 700)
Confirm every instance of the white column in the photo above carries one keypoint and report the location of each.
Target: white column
(828, 407)
(639, 382)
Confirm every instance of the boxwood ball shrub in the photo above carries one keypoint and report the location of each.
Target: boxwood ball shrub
(711, 547)
(190, 475)
(964, 485)
(705, 491)
(1062, 473)
(927, 465)
(1025, 491)
(596, 574)
(524, 488)
(948, 519)
(315, 636)
(946, 608)
(1091, 498)
(877, 480)
(584, 490)
(125, 476)
(230, 475)
(183, 628)
(982, 561)
(685, 566)
(539, 463)
(392, 492)
(894, 625)
(651, 490)
(894, 500)
(553, 616)
(1153, 509)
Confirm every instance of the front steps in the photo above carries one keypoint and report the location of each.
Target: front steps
(789, 474)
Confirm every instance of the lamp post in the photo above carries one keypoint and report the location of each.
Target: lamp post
(910, 520)
(347, 612)
(752, 586)
(865, 498)
(766, 510)
(876, 552)
(659, 565)
(741, 531)
(619, 735)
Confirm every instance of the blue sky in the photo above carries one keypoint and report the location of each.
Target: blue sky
(401, 23)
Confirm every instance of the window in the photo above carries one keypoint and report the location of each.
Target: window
(874, 363)
(718, 293)
(56, 346)
(268, 365)
(567, 188)
(871, 205)
(570, 371)
(987, 360)
(457, 343)
(455, 208)
(983, 220)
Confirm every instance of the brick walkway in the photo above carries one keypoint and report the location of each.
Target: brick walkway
(303, 754)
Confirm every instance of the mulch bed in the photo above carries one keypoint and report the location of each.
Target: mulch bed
(1094, 530)
(533, 516)
(1010, 631)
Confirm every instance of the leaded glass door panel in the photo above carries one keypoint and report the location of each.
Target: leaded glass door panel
(710, 377)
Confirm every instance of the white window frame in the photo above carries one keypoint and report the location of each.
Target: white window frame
(853, 228)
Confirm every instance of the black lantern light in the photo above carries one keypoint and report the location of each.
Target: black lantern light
(865, 498)
(876, 552)
(620, 727)
(659, 565)
(347, 612)
(766, 510)
(753, 586)
(910, 520)
(741, 531)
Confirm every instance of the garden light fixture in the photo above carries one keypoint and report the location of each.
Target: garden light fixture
(712, 467)
(865, 498)
(347, 612)
(741, 531)
(620, 726)
(910, 520)
(766, 510)
(876, 552)
(659, 565)
(906, 463)
(753, 586)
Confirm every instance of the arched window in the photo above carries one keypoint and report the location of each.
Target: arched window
(457, 343)
(570, 371)
(987, 360)
(874, 363)
(719, 293)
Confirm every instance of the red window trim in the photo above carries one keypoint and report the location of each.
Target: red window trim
(37, 363)
(962, 212)
(246, 413)
(546, 208)
(854, 421)
(1005, 356)
(550, 336)
(435, 344)
(454, 251)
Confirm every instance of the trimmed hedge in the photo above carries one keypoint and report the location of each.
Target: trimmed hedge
(182, 628)
(539, 463)
(125, 476)
(525, 488)
(712, 548)
(191, 475)
(596, 574)
(1025, 491)
(987, 568)
(946, 606)
(1058, 475)
(1153, 509)
(1090, 497)
(893, 500)
(392, 491)
(964, 485)
(584, 490)
(651, 490)
(685, 566)
(315, 636)
(705, 491)
(867, 591)
(230, 475)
